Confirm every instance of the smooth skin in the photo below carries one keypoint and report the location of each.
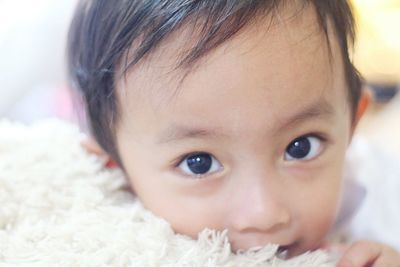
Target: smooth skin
(244, 108)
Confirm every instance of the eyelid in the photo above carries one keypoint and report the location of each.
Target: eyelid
(196, 176)
(322, 138)
(179, 160)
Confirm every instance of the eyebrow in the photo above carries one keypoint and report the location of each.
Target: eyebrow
(178, 132)
(318, 109)
(174, 133)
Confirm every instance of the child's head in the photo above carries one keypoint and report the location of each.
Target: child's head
(224, 114)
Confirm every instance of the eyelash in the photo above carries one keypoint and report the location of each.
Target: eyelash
(180, 160)
(322, 142)
(322, 138)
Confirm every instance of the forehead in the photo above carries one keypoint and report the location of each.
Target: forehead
(281, 63)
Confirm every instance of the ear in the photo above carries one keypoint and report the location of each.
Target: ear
(93, 147)
(363, 103)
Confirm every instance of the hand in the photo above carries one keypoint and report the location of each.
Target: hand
(93, 147)
(366, 254)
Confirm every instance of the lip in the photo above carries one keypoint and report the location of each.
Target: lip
(286, 251)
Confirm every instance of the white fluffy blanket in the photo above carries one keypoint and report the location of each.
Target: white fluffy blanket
(60, 207)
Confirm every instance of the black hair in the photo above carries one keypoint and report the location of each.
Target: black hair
(104, 31)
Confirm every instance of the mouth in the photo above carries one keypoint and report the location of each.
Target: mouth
(286, 251)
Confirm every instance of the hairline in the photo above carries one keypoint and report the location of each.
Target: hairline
(103, 114)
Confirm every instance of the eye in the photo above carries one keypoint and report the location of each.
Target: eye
(304, 148)
(199, 164)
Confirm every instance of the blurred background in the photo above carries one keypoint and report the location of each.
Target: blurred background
(34, 86)
(32, 53)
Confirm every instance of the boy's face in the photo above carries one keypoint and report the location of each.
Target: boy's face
(253, 142)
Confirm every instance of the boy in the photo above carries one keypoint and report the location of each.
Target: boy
(227, 114)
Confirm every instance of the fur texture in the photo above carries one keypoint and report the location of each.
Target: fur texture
(60, 207)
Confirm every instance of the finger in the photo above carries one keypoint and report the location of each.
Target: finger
(361, 254)
(389, 258)
(337, 248)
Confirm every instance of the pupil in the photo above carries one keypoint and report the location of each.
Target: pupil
(299, 148)
(200, 163)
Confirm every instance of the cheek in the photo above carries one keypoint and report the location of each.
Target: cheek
(319, 209)
(167, 196)
(318, 224)
(323, 192)
(186, 213)
(188, 219)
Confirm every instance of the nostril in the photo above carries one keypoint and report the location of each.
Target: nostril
(270, 220)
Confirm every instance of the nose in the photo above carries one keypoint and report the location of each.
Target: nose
(259, 205)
